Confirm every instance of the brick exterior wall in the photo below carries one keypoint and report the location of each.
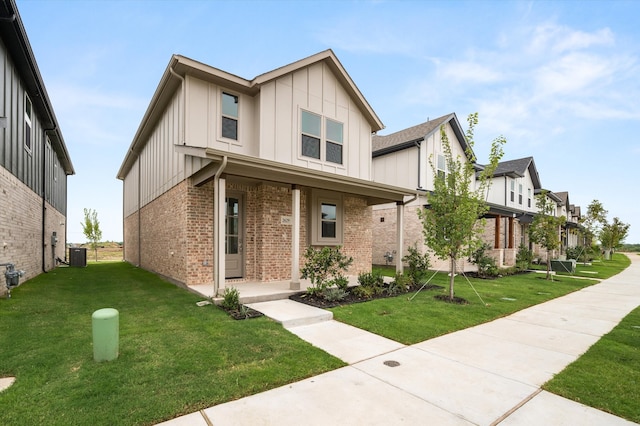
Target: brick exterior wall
(177, 233)
(21, 229)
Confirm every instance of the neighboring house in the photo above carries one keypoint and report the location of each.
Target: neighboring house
(404, 159)
(570, 235)
(228, 178)
(34, 162)
(512, 205)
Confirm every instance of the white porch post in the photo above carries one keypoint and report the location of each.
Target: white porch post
(295, 239)
(220, 195)
(399, 235)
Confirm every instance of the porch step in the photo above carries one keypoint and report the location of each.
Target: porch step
(290, 313)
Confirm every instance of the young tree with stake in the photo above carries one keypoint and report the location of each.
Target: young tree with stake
(91, 229)
(452, 223)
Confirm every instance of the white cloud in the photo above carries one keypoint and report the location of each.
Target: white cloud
(551, 38)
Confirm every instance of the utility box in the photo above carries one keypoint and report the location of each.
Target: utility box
(106, 334)
(77, 256)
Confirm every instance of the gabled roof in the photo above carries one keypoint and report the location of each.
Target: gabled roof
(407, 138)
(179, 66)
(564, 197)
(15, 39)
(518, 168)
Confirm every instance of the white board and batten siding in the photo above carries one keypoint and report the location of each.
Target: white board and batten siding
(314, 89)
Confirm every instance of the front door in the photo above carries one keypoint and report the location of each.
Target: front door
(234, 259)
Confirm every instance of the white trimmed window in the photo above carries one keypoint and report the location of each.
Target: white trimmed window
(513, 190)
(520, 193)
(229, 116)
(326, 218)
(28, 110)
(312, 137)
(442, 166)
(528, 197)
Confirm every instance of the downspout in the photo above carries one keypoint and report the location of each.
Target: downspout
(139, 213)
(216, 223)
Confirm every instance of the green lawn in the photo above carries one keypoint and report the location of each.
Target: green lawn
(175, 357)
(424, 317)
(607, 376)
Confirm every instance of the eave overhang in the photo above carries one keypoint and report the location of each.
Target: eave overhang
(266, 170)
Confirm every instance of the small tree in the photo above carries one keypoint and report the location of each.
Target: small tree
(91, 229)
(452, 224)
(593, 221)
(544, 229)
(612, 235)
(325, 268)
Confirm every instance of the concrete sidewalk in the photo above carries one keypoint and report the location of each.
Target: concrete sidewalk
(485, 375)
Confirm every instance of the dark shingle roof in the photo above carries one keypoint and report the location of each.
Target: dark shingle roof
(411, 134)
(518, 168)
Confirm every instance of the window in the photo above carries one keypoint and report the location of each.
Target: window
(27, 123)
(229, 116)
(513, 190)
(528, 197)
(326, 228)
(312, 137)
(442, 166)
(520, 194)
(311, 125)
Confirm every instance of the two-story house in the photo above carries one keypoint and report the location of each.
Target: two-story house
(34, 161)
(405, 159)
(570, 235)
(512, 205)
(228, 178)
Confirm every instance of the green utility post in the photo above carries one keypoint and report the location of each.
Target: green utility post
(105, 334)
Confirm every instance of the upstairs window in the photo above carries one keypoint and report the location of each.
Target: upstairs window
(27, 122)
(334, 141)
(312, 138)
(513, 190)
(442, 166)
(311, 126)
(520, 194)
(229, 116)
(528, 197)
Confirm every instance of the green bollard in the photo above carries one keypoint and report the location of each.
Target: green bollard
(105, 334)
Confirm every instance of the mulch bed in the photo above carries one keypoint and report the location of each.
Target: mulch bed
(240, 314)
(351, 298)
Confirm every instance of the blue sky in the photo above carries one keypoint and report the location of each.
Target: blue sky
(559, 79)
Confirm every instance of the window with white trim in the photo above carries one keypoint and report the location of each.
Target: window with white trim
(513, 190)
(229, 116)
(326, 218)
(28, 109)
(520, 193)
(528, 197)
(442, 166)
(312, 137)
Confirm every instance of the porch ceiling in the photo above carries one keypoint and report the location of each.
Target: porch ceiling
(265, 170)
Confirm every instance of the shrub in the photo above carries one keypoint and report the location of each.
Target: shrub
(418, 265)
(231, 299)
(485, 263)
(373, 281)
(400, 284)
(363, 292)
(524, 257)
(324, 268)
(334, 294)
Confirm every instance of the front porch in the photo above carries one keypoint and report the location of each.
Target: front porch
(253, 292)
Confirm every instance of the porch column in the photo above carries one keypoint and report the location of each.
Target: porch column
(511, 232)
(496, 243)
(399, 235)
(220, 195)
(295, 239)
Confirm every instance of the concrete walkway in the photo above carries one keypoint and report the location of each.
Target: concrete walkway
(485, 375)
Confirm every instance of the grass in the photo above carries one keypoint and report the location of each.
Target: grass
(424, 317)
(175, 357)
(607, 376)
(600, 269)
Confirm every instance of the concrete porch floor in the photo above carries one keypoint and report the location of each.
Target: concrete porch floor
(253, 292)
